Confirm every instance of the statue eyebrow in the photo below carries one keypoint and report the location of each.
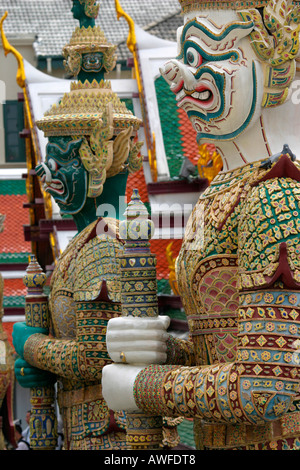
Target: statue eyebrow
(231, 54)
(216, 37)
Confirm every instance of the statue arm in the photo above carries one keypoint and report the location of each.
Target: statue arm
(261, 383)
(81, 358)
(95, 302)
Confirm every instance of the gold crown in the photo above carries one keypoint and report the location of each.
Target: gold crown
(81, 110)
(87, 40)
(192, 5)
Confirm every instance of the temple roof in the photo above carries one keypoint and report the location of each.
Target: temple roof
(14, 249)
(52, 23)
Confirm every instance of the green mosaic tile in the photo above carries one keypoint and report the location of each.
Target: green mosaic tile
(12, 187)
(175, 314)
(169, 119)
(148, 207)
(17, 301)
(163, 287)
(13, 258)
(129, 104)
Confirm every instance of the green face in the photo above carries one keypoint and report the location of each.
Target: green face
(92, 62)
(63, 174)
(77, 10)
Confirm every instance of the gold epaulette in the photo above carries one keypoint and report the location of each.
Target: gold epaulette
(98, 261)
(90, 259)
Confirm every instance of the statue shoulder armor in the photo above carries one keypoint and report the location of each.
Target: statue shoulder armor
(269, 228)
(98, 261)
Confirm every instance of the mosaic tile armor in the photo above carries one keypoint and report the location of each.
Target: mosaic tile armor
(85, 295)
(81, 303)
(238, 275)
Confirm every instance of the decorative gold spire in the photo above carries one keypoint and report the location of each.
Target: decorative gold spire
(8, 48)
(131, 40)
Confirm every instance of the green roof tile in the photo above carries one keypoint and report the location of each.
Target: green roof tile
(13, 258)
(129, 104)
(176, 314)
(170, 125)
(14, 301)
(12, 187)
(163, 287)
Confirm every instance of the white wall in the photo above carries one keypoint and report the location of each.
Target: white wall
(9, 88)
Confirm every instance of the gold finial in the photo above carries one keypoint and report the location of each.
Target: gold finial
(210, 162)
(137, 226)
(172, 268)
(131, 40)
(34, 278)
(9, 48)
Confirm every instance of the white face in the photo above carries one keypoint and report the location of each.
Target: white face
(216, 77)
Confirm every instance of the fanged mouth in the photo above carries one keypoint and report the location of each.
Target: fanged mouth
(205, 96)
(55, 186)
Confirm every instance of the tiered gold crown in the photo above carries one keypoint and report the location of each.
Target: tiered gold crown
(87, 40)
(193, 5)
(81, 110)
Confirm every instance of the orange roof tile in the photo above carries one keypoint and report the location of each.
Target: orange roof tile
(137, 181)
(12, 238)
(14, 287)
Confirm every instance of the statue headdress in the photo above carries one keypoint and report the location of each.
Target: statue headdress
(91, 9)
(274, 38)
(84, 41)
(92, 112)
(188, 6)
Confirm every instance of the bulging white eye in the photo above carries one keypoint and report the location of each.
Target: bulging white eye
(52, 164)
(193, 58)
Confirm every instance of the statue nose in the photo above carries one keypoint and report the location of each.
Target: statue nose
(39, 170)
(42, 170)
(171, 71)
(178, 75)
